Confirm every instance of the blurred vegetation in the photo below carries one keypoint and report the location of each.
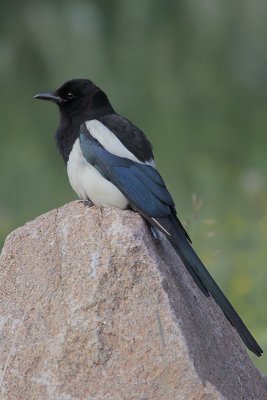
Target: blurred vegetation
(192, 74)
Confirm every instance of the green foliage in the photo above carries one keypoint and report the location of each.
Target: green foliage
(193, 75)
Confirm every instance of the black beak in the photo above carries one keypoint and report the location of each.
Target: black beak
(49, 96)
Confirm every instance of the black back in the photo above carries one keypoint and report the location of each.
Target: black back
(130, 136)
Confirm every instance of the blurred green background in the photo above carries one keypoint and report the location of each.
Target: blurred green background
(192, 74)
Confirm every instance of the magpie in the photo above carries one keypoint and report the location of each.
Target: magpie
(110, 163)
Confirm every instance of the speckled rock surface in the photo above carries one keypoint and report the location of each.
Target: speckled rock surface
(92, 308)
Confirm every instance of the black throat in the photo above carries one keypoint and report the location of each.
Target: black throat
(66, 134)
(69, 128)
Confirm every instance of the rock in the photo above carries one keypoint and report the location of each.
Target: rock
(92, 308)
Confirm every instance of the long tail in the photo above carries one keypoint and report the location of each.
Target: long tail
(203, 278)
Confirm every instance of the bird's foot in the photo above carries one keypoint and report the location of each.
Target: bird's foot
(86, 203)
(154, 234)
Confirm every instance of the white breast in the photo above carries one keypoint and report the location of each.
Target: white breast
(88, 183)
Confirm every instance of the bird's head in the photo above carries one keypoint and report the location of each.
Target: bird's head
(78, 97)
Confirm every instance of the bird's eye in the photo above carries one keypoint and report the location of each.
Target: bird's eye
(70, 96)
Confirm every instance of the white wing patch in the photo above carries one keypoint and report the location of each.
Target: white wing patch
(110, 141)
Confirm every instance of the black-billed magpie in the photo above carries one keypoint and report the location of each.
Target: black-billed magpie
(110, 163)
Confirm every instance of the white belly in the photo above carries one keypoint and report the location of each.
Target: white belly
(89, 184)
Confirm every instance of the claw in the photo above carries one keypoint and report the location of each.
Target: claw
(86, 203)
(154, 234)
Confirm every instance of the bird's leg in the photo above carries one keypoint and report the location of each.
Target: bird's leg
(154, 234)
(153, 230)
(86, 203)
